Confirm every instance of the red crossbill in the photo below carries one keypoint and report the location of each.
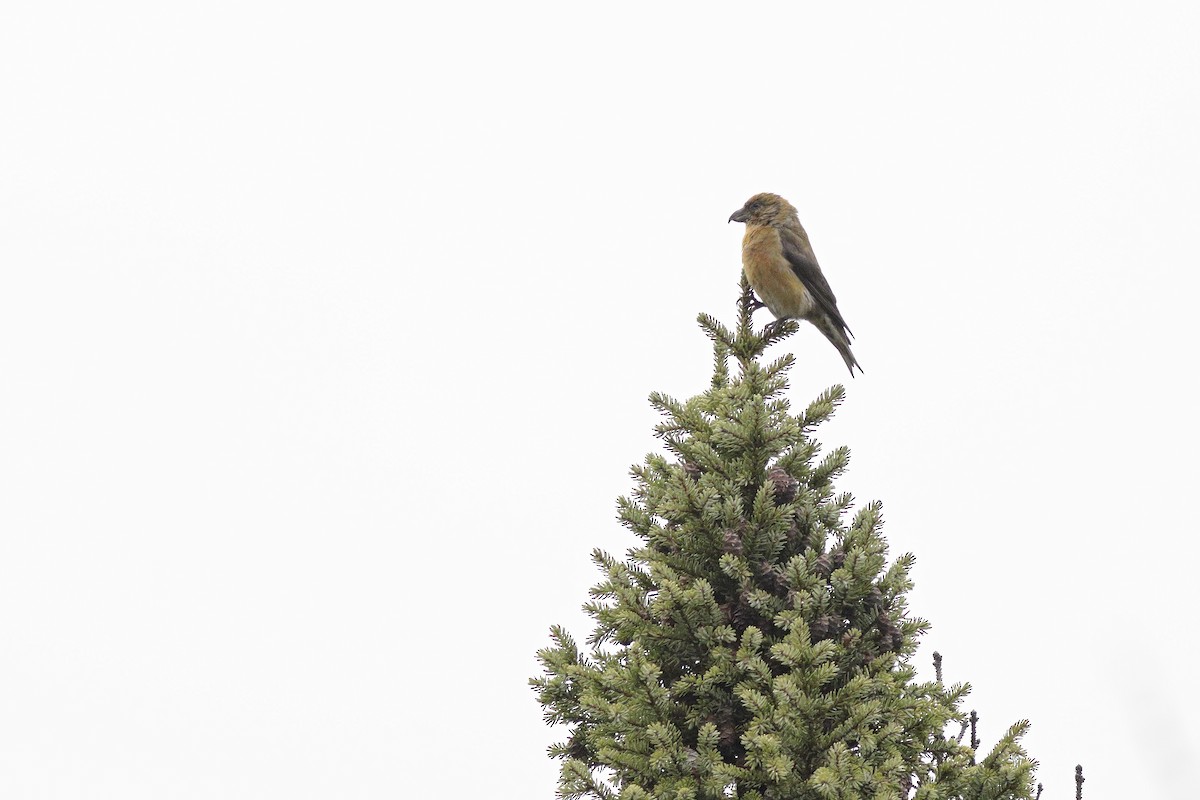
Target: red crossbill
(782, 270)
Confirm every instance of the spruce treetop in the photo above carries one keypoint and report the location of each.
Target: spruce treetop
(756, 644)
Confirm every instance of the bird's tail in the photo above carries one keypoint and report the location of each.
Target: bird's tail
(848, 357)
(840, 339)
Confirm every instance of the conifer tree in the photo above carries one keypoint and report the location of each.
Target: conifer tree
(756, 643)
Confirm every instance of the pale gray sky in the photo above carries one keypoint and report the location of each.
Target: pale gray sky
(327, 331)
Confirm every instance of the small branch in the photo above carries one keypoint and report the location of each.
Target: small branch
(1079, 782)
(747, 343)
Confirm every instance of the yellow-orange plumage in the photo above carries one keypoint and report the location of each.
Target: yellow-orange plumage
(782, 269)
(771, 276)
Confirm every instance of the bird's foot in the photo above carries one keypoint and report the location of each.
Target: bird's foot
(756, 304)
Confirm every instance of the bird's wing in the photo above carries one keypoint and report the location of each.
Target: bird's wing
(803, 262)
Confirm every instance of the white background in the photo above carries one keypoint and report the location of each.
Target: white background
(326, 332)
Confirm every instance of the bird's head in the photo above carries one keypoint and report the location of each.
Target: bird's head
(764, 209)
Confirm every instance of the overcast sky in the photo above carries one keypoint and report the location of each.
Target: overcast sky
(326, 332)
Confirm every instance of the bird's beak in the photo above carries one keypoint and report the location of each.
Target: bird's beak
(739, 216)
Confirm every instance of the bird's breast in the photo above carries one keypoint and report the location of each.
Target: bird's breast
(771, 275)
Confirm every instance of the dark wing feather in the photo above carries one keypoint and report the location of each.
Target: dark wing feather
(803, 262)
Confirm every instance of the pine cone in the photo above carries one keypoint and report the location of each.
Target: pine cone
(838, 557)
(823, 566)
(783, 485)
(730, 742)
(693, 471)
(823, 628)
(890, 636)
(744, 615)
(772, 578)
(578, 749)
(797, 537)
(732, 542)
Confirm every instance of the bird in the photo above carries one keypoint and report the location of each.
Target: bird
(783, 271)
